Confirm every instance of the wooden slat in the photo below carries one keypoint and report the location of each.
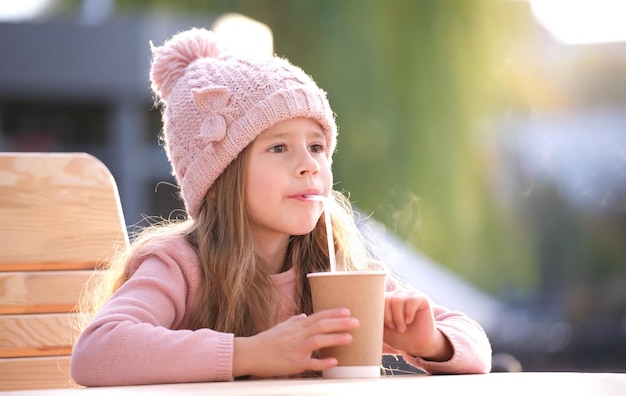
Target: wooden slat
(50, 266)
(44, 203)
(35, 373)
(41, 291)
(35, 335)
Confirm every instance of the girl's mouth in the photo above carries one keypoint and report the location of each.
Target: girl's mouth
(312, 197)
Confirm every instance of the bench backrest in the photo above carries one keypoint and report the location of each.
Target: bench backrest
(60, 219)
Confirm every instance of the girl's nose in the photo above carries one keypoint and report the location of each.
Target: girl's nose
(308, 165)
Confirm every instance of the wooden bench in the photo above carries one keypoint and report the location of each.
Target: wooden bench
(60, 220)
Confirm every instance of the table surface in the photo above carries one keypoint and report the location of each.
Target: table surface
(526, 383)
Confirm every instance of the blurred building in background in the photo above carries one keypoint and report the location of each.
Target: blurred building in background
(66, 86)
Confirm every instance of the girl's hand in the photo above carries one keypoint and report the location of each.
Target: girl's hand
(410, 326)
(287, 348)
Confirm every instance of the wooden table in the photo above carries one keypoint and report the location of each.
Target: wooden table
(527, 384)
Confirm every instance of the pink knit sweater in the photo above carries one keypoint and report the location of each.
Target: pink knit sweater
(141, 335)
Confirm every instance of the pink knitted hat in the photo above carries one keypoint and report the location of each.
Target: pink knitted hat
(215, 104)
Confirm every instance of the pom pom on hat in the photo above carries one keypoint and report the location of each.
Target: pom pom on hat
(215, 104)
(170, 61)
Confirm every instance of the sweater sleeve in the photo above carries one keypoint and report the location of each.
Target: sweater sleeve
(134, 339)
(472, 350)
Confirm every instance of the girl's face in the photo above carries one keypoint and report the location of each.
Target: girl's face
(287, 163)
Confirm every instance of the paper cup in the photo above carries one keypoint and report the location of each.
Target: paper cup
(363, 293)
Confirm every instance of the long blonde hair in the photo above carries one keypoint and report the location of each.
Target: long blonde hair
(236, 293)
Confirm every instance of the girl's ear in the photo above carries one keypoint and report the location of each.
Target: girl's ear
(211, 193)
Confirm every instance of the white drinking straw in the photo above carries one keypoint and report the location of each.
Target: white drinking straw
(329, 231)
(329, 236)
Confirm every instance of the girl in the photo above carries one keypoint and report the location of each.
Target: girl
(223, 294)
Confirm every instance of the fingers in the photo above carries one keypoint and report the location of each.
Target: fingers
(290, 345)
(327, 340)
(322, 364)
(322, 329)
(401, 308)
(328, 328)
(411, 307)
(305, 334)
(326, 314)
(394, 313)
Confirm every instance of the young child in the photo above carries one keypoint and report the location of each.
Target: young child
(223, 294)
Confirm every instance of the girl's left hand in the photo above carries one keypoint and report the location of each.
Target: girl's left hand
(410, 326)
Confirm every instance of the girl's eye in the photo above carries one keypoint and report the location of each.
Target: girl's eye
(279, 148)
(317, 148)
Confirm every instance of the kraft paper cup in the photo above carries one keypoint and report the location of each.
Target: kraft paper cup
(363, 293)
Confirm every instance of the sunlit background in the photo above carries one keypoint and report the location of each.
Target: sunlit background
(489, 136)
